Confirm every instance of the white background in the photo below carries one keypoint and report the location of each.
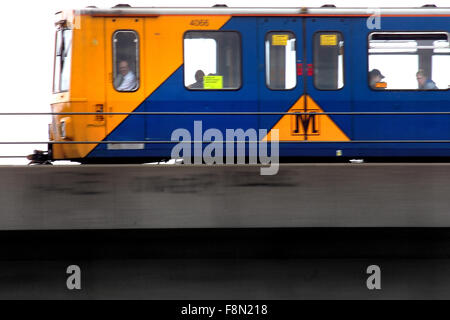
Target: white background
(26, 56)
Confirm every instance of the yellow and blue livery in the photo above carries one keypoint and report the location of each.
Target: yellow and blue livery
(303, 71)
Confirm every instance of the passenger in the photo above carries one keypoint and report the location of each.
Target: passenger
(424, 82)
(375, 76)
(125, 80)
(198, 80)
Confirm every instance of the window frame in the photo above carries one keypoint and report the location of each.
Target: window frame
(58, 89)
(344, 77)
(138, 60)
(265, 59)
(54, 62)
(400, 32)
(241, 68)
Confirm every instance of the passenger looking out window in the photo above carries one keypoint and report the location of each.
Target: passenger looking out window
(375, 77)
(424, 82)
(126, 60)
(125, 80)
(198, 80)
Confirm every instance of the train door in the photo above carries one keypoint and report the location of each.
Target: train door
(124, 84)
(328, 86)
(281, 86)
(302, 70)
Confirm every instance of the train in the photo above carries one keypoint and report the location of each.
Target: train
(331, 82)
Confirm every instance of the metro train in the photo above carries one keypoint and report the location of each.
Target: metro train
(332, 82)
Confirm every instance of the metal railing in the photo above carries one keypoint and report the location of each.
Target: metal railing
(222, 113)
(156, 113)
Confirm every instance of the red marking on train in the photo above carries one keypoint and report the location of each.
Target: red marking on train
(310, 69)
(299, 69)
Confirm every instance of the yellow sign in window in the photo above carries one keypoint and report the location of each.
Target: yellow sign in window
(280, 39)
(213, 82)
(328, 39)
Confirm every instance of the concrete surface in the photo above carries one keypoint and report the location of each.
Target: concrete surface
(164, 196)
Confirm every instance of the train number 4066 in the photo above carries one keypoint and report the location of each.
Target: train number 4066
(200, 23)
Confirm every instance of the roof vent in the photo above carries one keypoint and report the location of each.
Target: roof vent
(328, 6)
(220, 6)
(429, 6)
(121, 5)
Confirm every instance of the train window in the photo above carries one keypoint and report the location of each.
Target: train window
(63, 54)
(328, 60)
(126, 60)
(280, 60)
(409, 61)
(212, 60)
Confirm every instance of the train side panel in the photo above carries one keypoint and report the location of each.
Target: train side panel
(162, 89)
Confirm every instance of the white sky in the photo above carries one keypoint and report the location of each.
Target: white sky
(26, 55)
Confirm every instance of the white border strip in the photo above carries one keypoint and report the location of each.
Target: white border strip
(262, 11)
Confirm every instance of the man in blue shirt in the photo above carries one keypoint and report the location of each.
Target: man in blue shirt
(424, 82)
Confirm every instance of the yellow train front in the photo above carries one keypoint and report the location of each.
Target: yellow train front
(141, 74)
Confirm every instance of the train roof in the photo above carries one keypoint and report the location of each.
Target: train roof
(124, 10)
